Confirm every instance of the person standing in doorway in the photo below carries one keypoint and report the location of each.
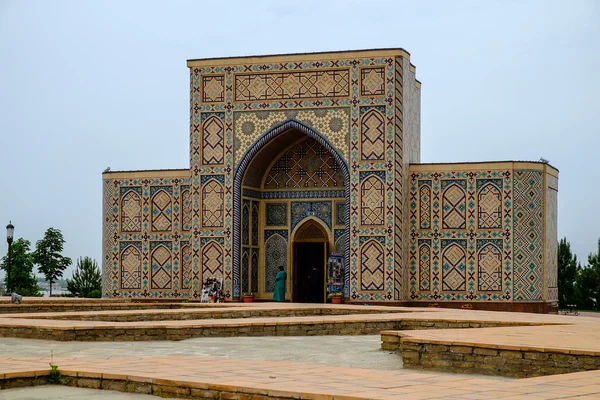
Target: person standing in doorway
(280, 281)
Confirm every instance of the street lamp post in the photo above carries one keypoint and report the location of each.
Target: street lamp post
(10, 230)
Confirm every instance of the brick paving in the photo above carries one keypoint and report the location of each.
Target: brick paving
(305, 381)
(567, 334)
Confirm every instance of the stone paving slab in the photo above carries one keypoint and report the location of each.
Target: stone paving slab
(543, 333)
(581, 338)
(300, 381)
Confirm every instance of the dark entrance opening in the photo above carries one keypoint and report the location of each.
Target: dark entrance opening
(309, 272)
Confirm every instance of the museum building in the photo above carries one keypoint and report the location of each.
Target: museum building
(312, 162)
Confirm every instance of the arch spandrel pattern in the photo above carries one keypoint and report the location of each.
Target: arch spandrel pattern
(333, 123)
(131, 212)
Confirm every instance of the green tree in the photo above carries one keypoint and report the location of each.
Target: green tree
(48, 256)
(567, 273)
(86, 278)
(22, 279)
(587, 284)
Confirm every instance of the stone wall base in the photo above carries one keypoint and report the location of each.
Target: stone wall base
(156, 387)
(529, 307)
(130, 333)
(473, 359)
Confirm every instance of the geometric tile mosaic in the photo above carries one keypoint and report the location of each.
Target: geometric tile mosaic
(528, 242)
(292, 85)
(212, 259)
(212, 204)
(131, 211)
(161, 266)
(186, 209)
(255, 223)
(306, 165)
(372, 81)
(424, 264)
(213, 88)
(551, 235)
(498, 255)
(372, 201)
(438, 235)
(275, 256)
(454, 204)
(131, 268)
(372, 133)
(340, 213)
(372, 260)
(245, 270)
(489, 203)
(489, 262)
(454, 265)
(213, 148)
(333, 123)
(161, 208)
(254, 271)
(319, 209)
(246, 222)
(276, 214)
(425, 204)
(186, 266)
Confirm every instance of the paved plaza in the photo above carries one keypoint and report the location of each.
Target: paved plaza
(323, 350)
(313, 366)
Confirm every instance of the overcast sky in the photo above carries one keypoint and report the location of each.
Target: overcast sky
(89, 84)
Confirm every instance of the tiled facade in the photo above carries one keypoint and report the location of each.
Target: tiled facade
(333, 138)
(480, 232)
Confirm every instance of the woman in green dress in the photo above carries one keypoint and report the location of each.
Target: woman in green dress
(279, 290)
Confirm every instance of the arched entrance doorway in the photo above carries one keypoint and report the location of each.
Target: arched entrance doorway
(289, 174)
(310, 248)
